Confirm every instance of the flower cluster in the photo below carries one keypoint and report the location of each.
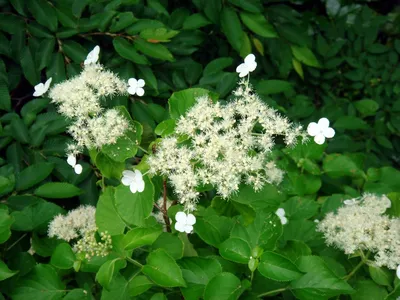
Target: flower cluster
(80, 224)
(225, 145)
(362, 226)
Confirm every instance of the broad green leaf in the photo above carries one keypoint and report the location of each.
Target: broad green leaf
(33, 174)
(78, 294)
(121, 21)
(107, 217)
(217, 65)
(268, 197)
(75, 51)
(165, 128)
(258, 24)
(171, 243)
(108, 270)
(153, 50)
(56, 68)
(5, 99)
(267, 87)
(109, 167)
(253, 6)
(301, 230)
(297, 208)
(139, 285)
(163, 270)
(366, 107)
(381, 275)
(195, 21)
(139, 237)
(339, 165)
(44, 13)
(57, 190)
(134, 208)
(182, 101)
(5, 272)
(63, 257)
(224, 286)
(297, 183)
(350, 123)
(298, 67)
(5, 224)
(213, 229)
(155, 35)
(368, 290)
(232, 28)
(118, 289)
(305, 55)
(128, 51)
(29, 67)
(197, 272)
(42, 283)
(236, 250)
(294, 249)
(35, 217)
(277, 267)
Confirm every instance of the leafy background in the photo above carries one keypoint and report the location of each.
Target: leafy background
(336, 59)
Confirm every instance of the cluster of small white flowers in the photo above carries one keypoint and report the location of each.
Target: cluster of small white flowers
(362, 225)
(229, 144)
(80, 224)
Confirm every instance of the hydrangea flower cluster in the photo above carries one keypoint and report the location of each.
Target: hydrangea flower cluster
(226, 145)
(362, 225)
(80, 224)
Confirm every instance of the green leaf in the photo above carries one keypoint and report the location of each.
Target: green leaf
(258, 24)
(338, 165)
(33, 174)
(78, 294)
(63, 257)
(5, 99)
(224, 286)
(172, 244)
(294, 249)
(163, 270)
(139, 237)
(44, 13)
(5, 272)
(236, 250)
(368, 290)
(161, 34)
(213, 229)
(128, 51)
(57, 190)
(305, 55)
(195, 21)
(253, 6)
(266, 87)
(153, 50)
(5, 224)
(134, 208)
(277, 267)
(56, 68)
(42, 283)
(182, 101)
(121, 21)
(107, 217)
(28, 67)
(165, 128)
(366, 107)
(109, 167)
(232, 28)
(118, 289)
(75, 51)
(381, 275)
(108, 270)
(350, 123)
(139, 285)
(297, 208)
(217, 65)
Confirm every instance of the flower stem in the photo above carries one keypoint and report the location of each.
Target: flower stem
(271, 292)
(134, 262)
(164, 210)
(144, 150)
(364, 259)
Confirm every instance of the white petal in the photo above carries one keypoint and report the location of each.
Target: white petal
(283, 220)
(350, 202)
(180, 226)
(244, 73)
(240, 68)
(39, 90)
(319, 139)
(129, 173)
(78, 169)
(188, 228)
(140, 186)
(126, 180)
(280, 212)
(47, 84)
(133, 187)
(398, 271)
(313, 129)
(139, 91)
(180, 217)
(251, 66)
(141, 83)
(249, 59)
(96, 50)
(329, 132)
(190, 219)
(132, 90)
(387, 202)
(138, 175)
(133, 82)
(323, 123)
(71, 160)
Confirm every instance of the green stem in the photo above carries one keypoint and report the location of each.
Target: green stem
(144, 150)
(271, 292)
(135, 262)
(364, 259)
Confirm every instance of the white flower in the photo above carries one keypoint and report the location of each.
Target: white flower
(248, 66)
(350, 202)
(398, 271)
(320, 130)
(134, 180)
(41, 88)
(71, 160)
(93, 56)
(281, 214)
(136, 86)
(184, 223)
